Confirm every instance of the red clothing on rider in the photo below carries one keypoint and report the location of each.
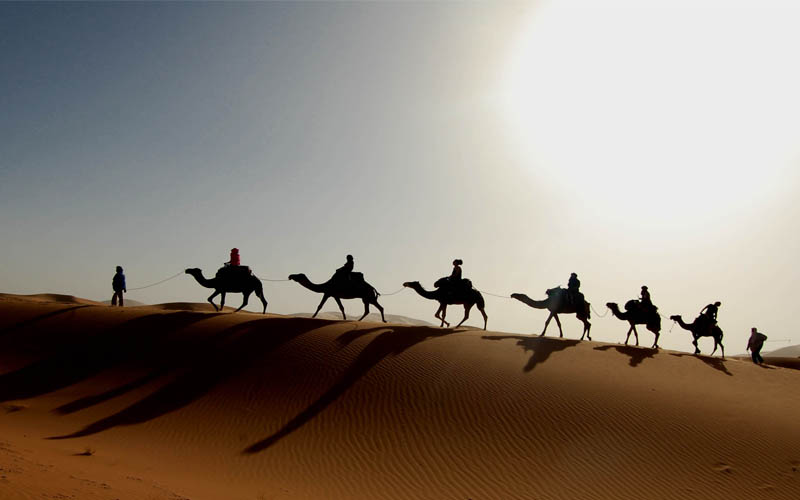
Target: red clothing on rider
(235, 257)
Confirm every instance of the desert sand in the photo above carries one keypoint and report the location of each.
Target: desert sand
(177, 401)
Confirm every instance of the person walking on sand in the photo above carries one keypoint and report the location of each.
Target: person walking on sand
(754, 345)
(118, 284)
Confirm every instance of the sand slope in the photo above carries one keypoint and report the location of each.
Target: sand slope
(149, 402)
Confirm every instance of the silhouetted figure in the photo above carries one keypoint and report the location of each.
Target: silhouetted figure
(118, 284)
(645, 298)
(699, 328)
(754, 345)
(455, 276)
(574, 295)
(445, 295)
(557, 302)
(639, 312)
(238, 279)
(346, 271)
(356, 288)
(235, 261)
(709, 315)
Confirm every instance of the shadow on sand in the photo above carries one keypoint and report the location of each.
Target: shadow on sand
(29, 322)
(389, 341)
(86, 357)
(715, 363)
(637, 354)
(208, 363)
(542, 347)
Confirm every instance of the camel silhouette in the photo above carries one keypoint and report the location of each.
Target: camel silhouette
(230, 282)
(467, 296)
(635, 314)
(699, 328)
(557, 303)
(342, 288)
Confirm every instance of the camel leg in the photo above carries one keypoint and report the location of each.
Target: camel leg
(244, 302)
(341, 307)
(443, 309)
(366, 310)
(322, 303)
(560, 330)
(696, 349)
(628, 336)
(466, 313)
(722, 347)
(440, 315)
(546, 323)
(380, 308)
(485, 318)
(587, 328)
(263, 301)
(655, 342)
(211, 300)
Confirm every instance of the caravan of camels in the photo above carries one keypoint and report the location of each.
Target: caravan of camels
(455, 290)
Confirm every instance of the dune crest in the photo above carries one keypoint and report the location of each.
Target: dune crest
(208, 405)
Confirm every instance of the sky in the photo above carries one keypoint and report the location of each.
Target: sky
(634, 143)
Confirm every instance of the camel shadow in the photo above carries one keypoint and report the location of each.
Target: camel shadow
(389, 341)
(715, 363)
(81, 360)
(542, 347)
(637, 354)
(221, 357)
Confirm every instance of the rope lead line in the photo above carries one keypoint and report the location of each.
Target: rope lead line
(597, 313)
(157, 283)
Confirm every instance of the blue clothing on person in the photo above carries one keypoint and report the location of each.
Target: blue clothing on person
(118, 283)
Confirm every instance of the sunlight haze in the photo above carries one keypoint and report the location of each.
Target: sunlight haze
(634, 143)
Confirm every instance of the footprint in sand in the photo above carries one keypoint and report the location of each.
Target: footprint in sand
(723, 467)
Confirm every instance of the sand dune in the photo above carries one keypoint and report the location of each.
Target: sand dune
(101, 402)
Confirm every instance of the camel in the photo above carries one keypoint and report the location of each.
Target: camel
(342, 288)
(699, 328)
(557, 304)
(468, 297)
(635, 314)
(230, 282)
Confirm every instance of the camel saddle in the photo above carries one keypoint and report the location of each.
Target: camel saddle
(227, 272)
(453, 287)
(637, 305)
(355, 277)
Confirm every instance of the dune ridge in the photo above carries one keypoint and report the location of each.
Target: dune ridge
(163, 403)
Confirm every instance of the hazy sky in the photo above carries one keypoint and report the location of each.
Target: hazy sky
(635, 143)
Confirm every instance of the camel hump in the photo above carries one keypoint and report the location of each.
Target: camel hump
(632, 304)
(357, 276)
(228, 272)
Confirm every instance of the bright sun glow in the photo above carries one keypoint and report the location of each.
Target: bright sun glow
(658, 111)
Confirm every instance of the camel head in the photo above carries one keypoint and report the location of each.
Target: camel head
(675, 317)
(411, 284)
(194, 271)
(517, 296)
(298, 277)
(612, 305)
